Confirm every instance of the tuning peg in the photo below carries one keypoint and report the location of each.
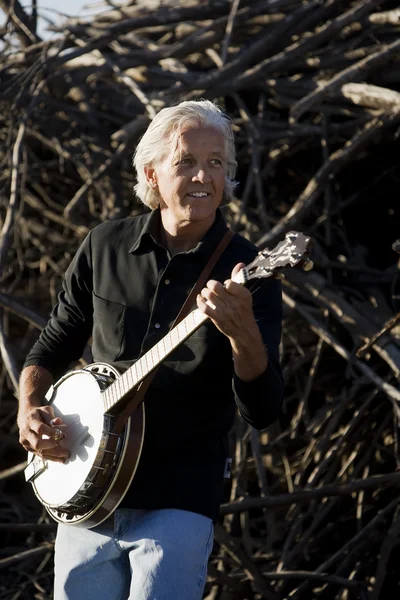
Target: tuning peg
(308, 265)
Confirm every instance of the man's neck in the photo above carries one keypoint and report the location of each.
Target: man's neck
(179, 242)
(181, 238)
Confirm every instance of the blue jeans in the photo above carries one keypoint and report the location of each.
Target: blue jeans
(135, 555)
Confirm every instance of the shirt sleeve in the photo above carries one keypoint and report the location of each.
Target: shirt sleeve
(69, 327)
(260, 401)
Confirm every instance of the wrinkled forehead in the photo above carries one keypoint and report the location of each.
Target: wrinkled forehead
(191, 139)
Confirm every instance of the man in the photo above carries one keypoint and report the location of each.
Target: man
(124, 289)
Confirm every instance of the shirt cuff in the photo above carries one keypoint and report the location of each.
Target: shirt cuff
(260, 401)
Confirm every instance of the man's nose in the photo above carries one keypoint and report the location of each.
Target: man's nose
(201, 174)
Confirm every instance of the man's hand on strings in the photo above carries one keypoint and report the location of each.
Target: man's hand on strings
(228, 305)
(40, 432)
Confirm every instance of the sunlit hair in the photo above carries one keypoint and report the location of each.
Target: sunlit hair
(161, 137)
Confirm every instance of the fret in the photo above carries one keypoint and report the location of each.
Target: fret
(143, 364)
(124, 384)
(135, 372)
(119, 386)
(164, 345)
(112, 394)
(153, 354)
(173, 335)
(129, 374)
(156, 354)
(184, 325)
(161, 346)
(179, 332)
(189, 322)
(115, 391)
(109, 395)
(167, 343)
(123, 388)
(126, 376)
(138, 367)
(149, 358)
(127, 380)
(159, 352)
(183, 329)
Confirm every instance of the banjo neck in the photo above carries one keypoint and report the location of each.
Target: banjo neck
(131, 378)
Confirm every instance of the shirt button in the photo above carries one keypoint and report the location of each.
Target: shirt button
(167, 282)
(157, 325)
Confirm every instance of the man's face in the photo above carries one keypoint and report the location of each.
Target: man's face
(191, 178)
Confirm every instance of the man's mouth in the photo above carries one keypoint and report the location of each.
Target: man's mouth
(198, 194)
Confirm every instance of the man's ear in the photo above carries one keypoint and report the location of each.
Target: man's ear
(151, 176)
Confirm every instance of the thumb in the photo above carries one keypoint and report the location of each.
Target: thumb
(237, 268)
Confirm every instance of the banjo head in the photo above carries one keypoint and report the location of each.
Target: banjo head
(77, 400)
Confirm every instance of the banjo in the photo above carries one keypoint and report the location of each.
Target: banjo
(91, 483)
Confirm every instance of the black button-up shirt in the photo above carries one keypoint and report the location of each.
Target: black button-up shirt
(123, 291)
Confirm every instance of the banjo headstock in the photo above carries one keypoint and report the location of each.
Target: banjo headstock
(290, 252)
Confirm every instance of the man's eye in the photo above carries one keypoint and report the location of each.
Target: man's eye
(216, 161)
(183, 161)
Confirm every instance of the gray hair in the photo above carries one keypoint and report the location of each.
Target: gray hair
(165, 127)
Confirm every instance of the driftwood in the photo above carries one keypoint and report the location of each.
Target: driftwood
(313, 88)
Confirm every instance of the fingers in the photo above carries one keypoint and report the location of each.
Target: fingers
(43, 419)
(46, 432)
(230, 293)
(221, 304)
(43, 446)
(229, 305)
(229, 285)
(49, 449)
(57, 454)
(41, 438)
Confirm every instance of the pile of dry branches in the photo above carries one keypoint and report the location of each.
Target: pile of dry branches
(313, 88)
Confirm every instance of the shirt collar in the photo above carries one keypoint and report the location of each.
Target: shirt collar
(150, 233)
